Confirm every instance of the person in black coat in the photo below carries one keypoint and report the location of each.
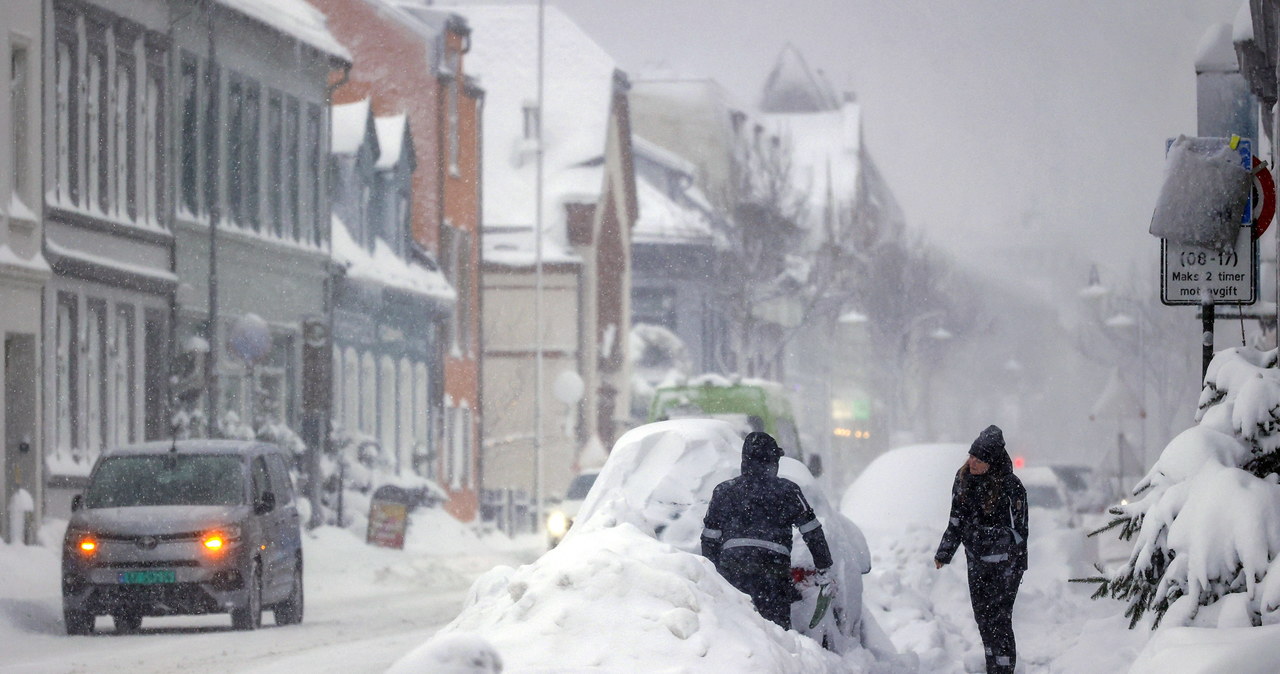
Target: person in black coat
(989, 516)
(747, 530)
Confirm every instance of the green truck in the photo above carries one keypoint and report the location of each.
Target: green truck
(748, 404)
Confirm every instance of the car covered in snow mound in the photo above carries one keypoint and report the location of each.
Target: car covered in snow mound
(660, 476)
(628, 584)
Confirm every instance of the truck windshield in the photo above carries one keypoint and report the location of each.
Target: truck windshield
(159, 480)
(580, 486)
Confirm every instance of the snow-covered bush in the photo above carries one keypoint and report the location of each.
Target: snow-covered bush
(1205, 525)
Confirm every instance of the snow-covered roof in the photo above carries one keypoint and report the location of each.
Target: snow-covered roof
(385, 267)
(662, 220)
(391, 131)
(295, 18)
(513, 247)
(577, 87)
(1216, 53)
(660, 155)
(350, 122)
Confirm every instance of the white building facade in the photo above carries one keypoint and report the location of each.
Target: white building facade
(23, 271)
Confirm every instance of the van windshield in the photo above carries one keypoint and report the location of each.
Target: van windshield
(159, 480)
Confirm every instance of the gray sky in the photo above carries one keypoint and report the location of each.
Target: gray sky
(991, 118)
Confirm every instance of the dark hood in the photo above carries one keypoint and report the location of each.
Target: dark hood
(989, 448)
(760, 454)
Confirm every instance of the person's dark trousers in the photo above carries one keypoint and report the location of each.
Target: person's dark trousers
(766, 580)
(993, 587)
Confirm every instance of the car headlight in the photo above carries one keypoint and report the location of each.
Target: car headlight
(219, 539)
(557, 523)
(82, 541)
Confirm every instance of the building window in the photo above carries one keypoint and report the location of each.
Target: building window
(387, 408)
(463, 284)
(368, 396)
(452, 112)
(124, 126)
(404, 414)
(212, 145)
(190, 151)
(155, 372)
(275, 144)
(66, 115)
(153, 134)
(310, 178)
(66, 365)
(19, 86)
(95, 376)
(95, 167)
(351, 391)
(291, 176)
(449, 266)
(123, 378)
(655, 306)
(242, 151)
(421, 427)
(235, 145)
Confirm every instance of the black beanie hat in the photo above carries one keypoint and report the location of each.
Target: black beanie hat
(760, 446)
(989, 446)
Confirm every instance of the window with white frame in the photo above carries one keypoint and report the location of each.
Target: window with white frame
(290, 168)
(153, 130)
(387, 407)
(351, 390)
(189, 136)
(421, 417)
(275, 145)
(123, 124)
(404, 414)
(108, 116)
(309, 178)
(66, 407)
(446, 439)
(455, 65)
(368, 396)
(19, 88)
(95, 331)
(123, 355)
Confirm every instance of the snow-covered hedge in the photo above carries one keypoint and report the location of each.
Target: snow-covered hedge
(1205, 525)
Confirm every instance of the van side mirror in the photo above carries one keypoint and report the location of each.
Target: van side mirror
(265, 504)
(77, 502)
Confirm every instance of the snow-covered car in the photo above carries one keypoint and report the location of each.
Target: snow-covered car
(1087, 493)
(670, 491)
(1048, 496)
(561, 515)
(628, 589)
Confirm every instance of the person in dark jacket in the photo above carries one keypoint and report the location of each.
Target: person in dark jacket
(989, 516)
(747, 530)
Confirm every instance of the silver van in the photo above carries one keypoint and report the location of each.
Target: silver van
(193, 527)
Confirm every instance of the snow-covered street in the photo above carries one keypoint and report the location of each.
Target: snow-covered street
(366, 607)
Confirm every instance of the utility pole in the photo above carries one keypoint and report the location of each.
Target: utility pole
(537, 294)
(212, 205)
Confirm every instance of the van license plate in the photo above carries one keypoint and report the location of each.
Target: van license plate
(148, 577)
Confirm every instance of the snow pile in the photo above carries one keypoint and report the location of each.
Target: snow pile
(624, 591)
(1206, 530)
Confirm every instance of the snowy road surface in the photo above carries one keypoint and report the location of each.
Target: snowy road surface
(365, 607)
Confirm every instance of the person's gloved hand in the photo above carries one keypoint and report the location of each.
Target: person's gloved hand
(824, 578)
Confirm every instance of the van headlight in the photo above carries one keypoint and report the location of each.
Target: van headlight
(557, 523)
